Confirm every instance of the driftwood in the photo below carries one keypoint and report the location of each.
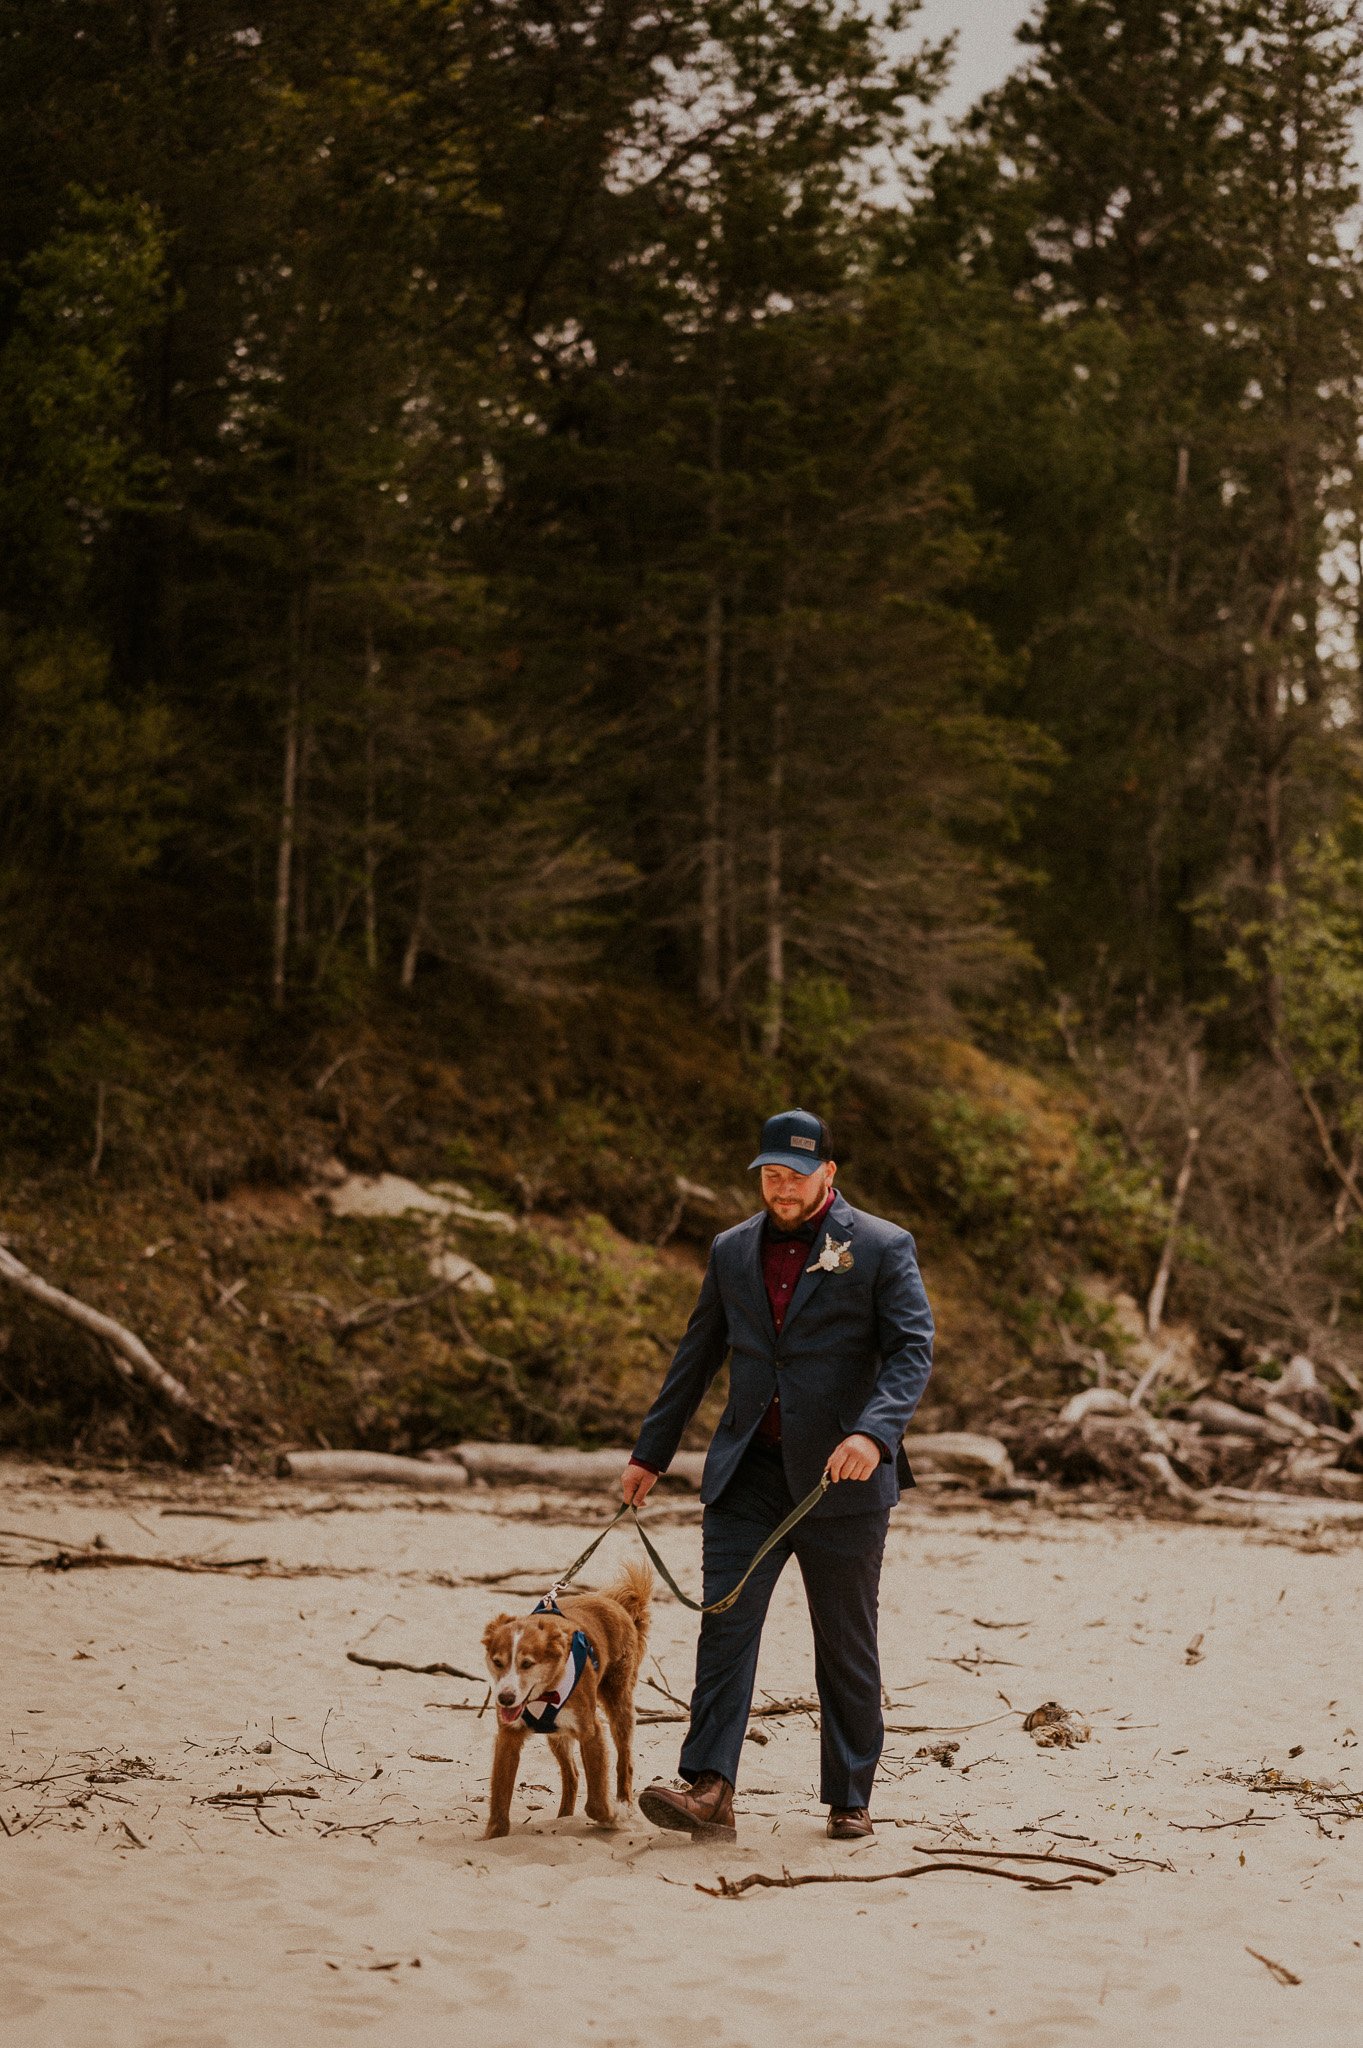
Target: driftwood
(1165, 1480)
(77, 1557)
(949, 1727)
(1292, 1513)
(127, 1353)
(83, 1560)
(545, 1466)
(371, 1467)
(1018, 1856)
(1222, 1418)
(1154, 1307)
(423, 1670)
(242, 1798)
(734, 1888)
(961, 1454)
(653, 1715)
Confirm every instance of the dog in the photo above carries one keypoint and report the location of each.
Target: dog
(556, 1672)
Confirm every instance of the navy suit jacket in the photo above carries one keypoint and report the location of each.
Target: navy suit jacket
(853, 1357)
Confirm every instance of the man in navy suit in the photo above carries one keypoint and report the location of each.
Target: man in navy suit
(820, 1310)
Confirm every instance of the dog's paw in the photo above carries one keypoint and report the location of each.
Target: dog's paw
(494, 1830)
(605, 1817)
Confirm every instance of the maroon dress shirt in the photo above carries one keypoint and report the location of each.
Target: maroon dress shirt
(785, 1254)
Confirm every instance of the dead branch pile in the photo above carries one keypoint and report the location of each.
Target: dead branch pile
(1235, 1435)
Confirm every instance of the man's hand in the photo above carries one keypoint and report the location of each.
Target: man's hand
(637, 1482)
(856, 1457)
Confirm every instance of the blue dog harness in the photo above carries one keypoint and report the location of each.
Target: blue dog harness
(551, 1704)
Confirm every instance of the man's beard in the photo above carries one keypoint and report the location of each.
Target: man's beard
(814, 1203)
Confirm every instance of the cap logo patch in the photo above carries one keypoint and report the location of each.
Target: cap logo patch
(804, 1144)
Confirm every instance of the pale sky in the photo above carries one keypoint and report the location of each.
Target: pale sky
(985, 49)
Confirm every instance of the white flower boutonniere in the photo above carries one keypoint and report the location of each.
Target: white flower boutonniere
(833, 1257)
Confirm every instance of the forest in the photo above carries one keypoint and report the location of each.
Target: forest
(576, 572)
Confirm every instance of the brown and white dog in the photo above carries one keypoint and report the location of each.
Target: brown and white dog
(556, 1672)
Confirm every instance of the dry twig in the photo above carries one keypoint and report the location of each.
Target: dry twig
(1279, 1971)
(1017, 1856)
(734, 1888)
(423, 1670)
(241, 1797)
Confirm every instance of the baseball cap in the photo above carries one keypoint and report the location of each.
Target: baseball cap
(795, 1138)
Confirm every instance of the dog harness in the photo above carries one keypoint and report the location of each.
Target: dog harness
(549, 1705)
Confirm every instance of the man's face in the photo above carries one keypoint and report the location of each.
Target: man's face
(790, 1197)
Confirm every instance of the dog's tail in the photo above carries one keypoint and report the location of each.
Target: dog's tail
(633, 1591)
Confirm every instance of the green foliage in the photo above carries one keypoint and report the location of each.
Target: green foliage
(1313, 949)
(822, 1031)
(89, 793)
(71, 454)
(985, 1170)
(89, 778)
(1010, 1190)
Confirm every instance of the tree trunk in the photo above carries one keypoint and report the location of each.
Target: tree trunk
(710, 853)
(371, 852)
(1154, 1308)
(710, 983)
(773, 1024)
(288, 814)
(301, 846)
(412, 951)
(731, 964)
(1176, 545)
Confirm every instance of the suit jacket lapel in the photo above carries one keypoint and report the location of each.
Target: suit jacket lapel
(752, 1268)
(838, 1223)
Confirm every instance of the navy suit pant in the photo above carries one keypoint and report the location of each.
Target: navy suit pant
(839, 1558)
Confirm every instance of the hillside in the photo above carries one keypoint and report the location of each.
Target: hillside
(189, 1199)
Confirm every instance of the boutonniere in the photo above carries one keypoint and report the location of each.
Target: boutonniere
(833, 1257)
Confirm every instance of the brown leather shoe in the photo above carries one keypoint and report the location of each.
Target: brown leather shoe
(849, 1823)
(704, 1810)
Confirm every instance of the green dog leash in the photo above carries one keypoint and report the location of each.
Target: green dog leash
(797, 1514)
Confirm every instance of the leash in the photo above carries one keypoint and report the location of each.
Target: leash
(797, 1514)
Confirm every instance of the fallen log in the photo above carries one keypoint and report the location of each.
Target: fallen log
(963, 1455)
(1294, 1514)
(1094, 1401)
(1221, 1418)
(127, 1353)
(544, 1465)
(371, 1467)
(1164, 1479)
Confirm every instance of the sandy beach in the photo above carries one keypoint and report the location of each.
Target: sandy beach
(138, 1915)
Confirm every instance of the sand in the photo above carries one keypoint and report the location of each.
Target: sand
(141, 1915)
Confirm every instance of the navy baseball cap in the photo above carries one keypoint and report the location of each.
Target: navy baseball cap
(795, 1138)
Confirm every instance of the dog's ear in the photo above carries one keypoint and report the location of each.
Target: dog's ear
(497, 1621)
